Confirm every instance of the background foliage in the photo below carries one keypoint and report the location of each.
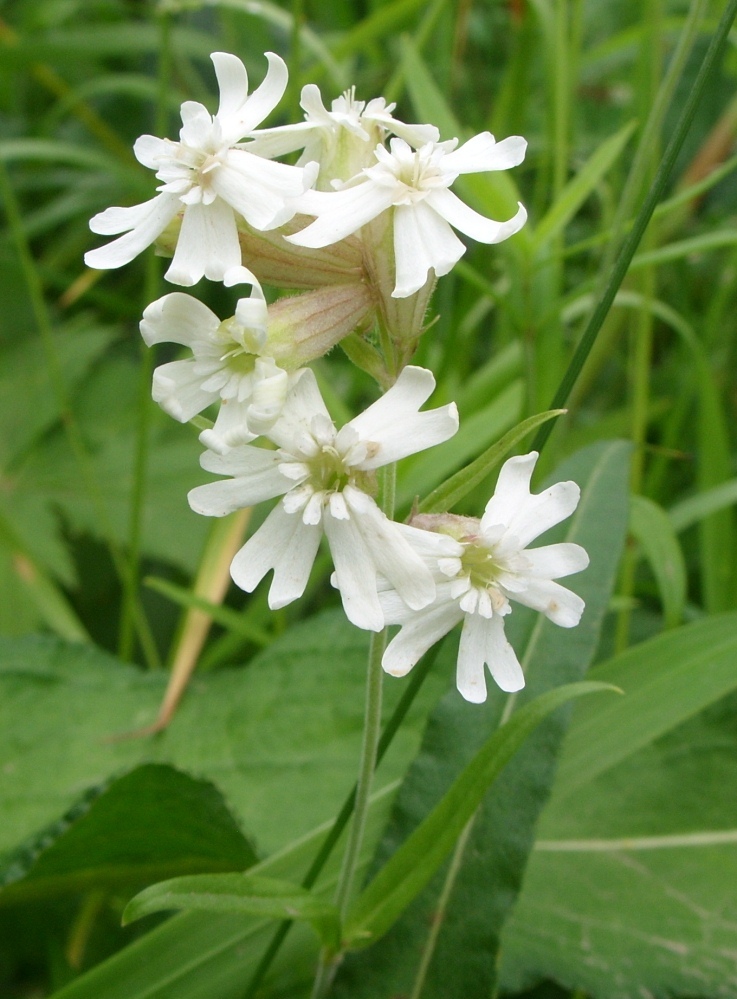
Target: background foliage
(629, 885)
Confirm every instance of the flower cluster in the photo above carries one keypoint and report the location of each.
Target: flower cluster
(362, 226)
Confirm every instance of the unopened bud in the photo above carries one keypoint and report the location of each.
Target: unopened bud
(305, 327)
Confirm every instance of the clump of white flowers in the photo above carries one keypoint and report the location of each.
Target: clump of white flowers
(362, 226)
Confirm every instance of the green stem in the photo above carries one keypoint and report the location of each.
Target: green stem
(643, 218)
(418, 677)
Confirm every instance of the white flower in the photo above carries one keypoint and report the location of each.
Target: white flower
(341, 140)
(230, 363)
(490, 566)
(207, 176)
(415, 183)
(326, 477)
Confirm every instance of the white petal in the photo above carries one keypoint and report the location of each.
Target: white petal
(178, 390)
(150, 150)
(422, 241)
(241, 461)
(232, 82)
(302, 404)
(273, 142)
(115, 220)
(256, 188)
(512, 490)
(394, 423)
(482, 153)
(470, 678)
(231, 427)
(477, 226)
(265, 97)
(216, 499)
(282, 543)
(561, 605)
(555, 561)
(178, 318)
(197, 126)
(207, 245)
(340, 213)
(355, 573)
(501, 657)
(431, 546)
(420, 633)
(544, 510)
(147, 226)
(390, 551)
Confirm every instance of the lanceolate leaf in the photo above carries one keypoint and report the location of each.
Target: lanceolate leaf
(454, 489)
(652, 527)
(250, 894)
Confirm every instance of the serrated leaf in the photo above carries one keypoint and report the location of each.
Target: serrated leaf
(152, 822)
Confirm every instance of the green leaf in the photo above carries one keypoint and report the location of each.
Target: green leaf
(490, 871)
(150, 823)
(631, 889)
(422, 473)
(228, 618)
(693, 509)
(211, 955)
(296, 710)
(666, 680)
(578, 189)
(251, 894)
(454, 489)
(651, 527)
(415, 862)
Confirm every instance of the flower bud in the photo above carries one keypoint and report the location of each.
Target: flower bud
(304, 327)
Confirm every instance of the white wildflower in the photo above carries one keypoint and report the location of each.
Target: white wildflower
(341, 140)
(490, 566)
(230, 363)
(415, 185)
(327, 478)
(210, 179)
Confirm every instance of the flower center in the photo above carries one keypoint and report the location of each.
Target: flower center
(480, 565)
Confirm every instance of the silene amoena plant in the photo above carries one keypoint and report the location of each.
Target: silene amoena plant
(362, 226)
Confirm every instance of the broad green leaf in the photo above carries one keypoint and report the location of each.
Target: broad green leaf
(454, 489)
(251, 894)
(415, 862)
(295, 712)
(150, 823)
(580, 187)
(665, 680)
(650, 525)
(631, 887)
(491, 867)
